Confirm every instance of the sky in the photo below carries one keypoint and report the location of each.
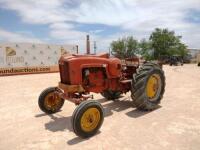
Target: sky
(69, 21)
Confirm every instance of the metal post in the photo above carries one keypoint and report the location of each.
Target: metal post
(95, 47)
(88, 44)
(77, 49)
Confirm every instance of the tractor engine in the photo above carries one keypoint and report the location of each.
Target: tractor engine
(93, 77)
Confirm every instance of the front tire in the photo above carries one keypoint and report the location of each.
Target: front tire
(49, 102)
(148, 86)
(87, 118)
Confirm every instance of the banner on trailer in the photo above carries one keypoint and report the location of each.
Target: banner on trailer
(26, 58)
(27, 70)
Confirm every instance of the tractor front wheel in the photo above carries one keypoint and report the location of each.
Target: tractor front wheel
(87, 118)
(49, 102)
(148, 86)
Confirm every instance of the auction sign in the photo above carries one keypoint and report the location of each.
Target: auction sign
(27, 58)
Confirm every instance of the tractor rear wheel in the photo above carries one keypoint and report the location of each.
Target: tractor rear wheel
(49, 102)
(111, 95)
(148, 86)
(87, 118)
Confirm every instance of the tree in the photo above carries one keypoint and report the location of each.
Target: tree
(166, 43)
(162, 42)
(146, 49)
(125, 48)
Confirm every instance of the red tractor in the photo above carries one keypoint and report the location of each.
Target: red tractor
(82, 74)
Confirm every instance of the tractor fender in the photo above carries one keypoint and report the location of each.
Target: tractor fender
(114, 67)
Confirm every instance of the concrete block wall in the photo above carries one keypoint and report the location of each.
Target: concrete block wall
(27, 55)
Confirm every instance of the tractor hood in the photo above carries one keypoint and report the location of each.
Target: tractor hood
(71, 66)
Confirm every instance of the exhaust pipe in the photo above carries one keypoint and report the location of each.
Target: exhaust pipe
(88, 44)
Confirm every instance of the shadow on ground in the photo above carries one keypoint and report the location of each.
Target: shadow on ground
(57, 123)
(135, 113)
(79, 139)
(61, 123)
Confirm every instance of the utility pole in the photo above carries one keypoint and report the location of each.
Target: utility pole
(109, 50)
(95, 47)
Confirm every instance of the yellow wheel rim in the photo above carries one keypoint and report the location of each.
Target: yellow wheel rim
(153, 86)
(90, 119)
(52, 101)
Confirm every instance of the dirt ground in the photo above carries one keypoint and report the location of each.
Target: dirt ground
(175, 125)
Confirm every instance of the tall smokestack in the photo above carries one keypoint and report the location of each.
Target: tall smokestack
(77, 49)
(88, 44)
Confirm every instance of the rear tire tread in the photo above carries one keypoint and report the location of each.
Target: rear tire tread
(138, 93)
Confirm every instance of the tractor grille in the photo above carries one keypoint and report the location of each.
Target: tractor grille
(64, 73)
